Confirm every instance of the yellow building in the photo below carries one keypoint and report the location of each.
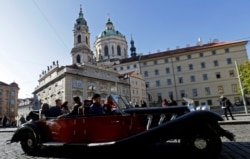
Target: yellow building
(202, 72)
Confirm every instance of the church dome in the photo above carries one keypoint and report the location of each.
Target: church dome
(110, 31)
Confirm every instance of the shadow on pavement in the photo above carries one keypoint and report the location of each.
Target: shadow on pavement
(167, 150)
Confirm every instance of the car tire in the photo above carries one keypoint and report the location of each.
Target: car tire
(204, 143)
(29, 143)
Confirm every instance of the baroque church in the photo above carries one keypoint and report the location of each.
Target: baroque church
(92, 71)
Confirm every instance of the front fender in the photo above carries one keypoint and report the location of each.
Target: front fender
(27, 127)
(176, 128)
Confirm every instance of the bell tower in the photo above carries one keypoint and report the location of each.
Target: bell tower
(81, 51)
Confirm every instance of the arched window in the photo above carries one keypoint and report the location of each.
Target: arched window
(125, 52)
(106, 51)
(79, 39)
(113, 52)
(118, 50)
(78, 59)
(86, 40)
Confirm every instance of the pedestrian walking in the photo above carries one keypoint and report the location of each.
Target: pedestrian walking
(225, 105)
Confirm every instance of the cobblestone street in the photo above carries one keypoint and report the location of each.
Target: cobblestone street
(240, 149)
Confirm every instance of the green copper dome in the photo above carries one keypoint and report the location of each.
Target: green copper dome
(80, 20)
(110, 31)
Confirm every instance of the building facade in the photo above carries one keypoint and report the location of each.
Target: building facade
(9, 101)
(202, 72)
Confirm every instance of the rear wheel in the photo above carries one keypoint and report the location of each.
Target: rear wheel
(29, 143)
(204, 143)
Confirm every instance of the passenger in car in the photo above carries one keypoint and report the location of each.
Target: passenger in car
(96, 107)
(65, 107)
(84, 109)
(77, 104)
(109, 105)
(55, 111)
(44, 111)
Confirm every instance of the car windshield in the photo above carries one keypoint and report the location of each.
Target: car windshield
(121, 102)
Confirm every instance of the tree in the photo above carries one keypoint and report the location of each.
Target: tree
(244, 72)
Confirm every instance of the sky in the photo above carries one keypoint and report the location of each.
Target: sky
(34, 33)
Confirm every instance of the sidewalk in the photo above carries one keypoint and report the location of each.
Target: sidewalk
(11, 129)
(240, 119)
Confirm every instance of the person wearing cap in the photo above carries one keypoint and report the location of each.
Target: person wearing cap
(96, 107)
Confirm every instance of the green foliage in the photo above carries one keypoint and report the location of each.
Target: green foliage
(244, 72)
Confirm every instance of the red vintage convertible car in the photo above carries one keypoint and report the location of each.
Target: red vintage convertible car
(198, 131)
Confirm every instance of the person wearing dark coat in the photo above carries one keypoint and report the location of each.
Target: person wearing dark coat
(225, 105)
(96, 107)
(77, 104)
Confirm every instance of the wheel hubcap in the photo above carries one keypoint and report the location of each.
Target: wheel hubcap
(200, 143)
(29, 142)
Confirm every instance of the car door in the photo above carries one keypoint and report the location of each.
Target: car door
(102, 128)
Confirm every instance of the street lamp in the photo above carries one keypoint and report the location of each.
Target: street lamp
(241, 89)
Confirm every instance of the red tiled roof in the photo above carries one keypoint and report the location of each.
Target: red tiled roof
(180, 50)
(192, 48)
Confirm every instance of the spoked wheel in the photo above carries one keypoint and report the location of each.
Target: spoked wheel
(29, 143)
(204, 143)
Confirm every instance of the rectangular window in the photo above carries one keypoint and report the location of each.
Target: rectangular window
(121, 68)
(144, 63)
(201, 54)
(216, 63)
(170, 94)
(189, 56)
(234, 88)
(182, 93)
(77, 83)
(231, 73)
(213, 52)
(203, 65)
(145, 73)
(169, 81)
(205, 78)
(128, 67)
(147, 84)
(155, 62)
(13, 93)
(229, 61)
(158, 83)
(190, 66)
(12, 102)
(177, 58)
(226, 50)
(156, 72)
(192, 78)
(195, 92)
(180, 80)
(207, 91)
(167, 70)
(135, 66)
(159, 97)
(166, 60)
(220, 90)
(178, 68)
(217, 74)
(209, 102)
